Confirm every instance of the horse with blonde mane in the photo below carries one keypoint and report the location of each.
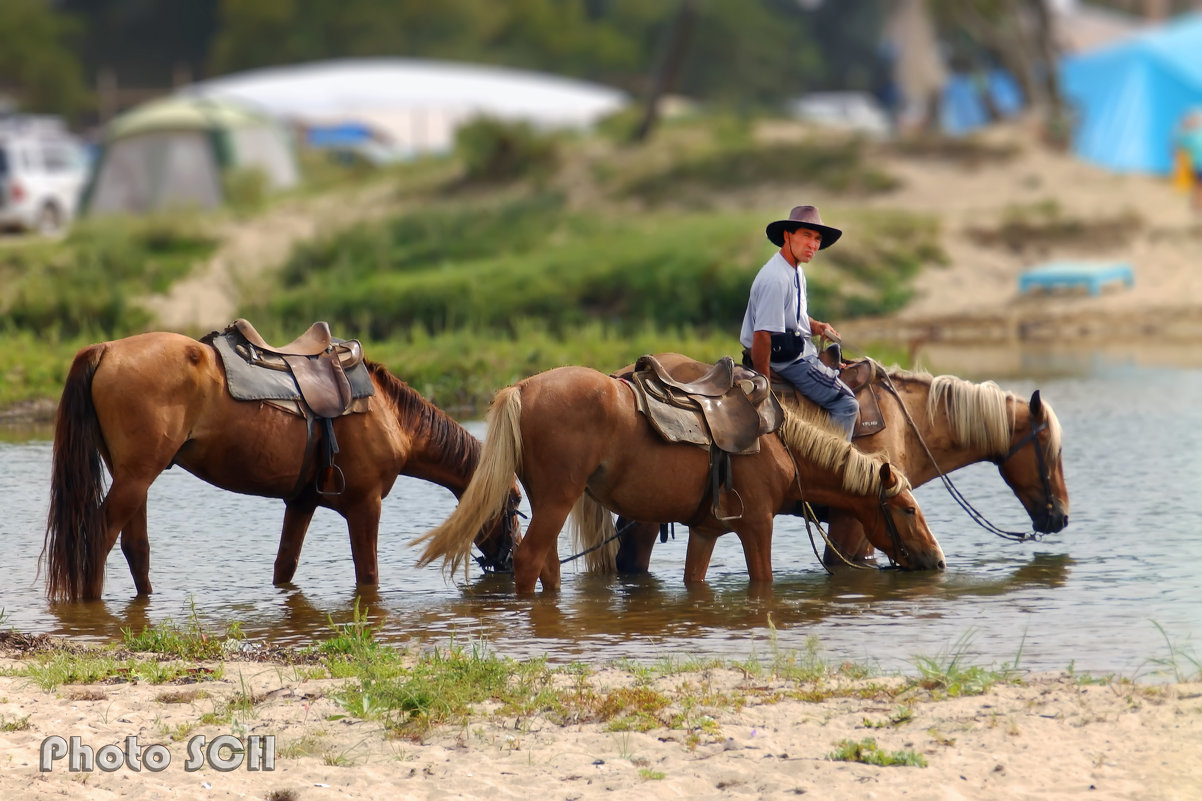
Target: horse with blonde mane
(933, 425)
(576, 441)
(145, 403)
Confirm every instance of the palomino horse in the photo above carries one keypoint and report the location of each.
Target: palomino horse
(575, 440)
(144, 403)
(933, 426)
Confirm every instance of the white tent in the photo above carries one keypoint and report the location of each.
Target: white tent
(415, 105)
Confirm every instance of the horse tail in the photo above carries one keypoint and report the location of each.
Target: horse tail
(489, 490)
(74, 548)
(592, 529)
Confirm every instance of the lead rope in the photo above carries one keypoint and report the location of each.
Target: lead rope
(810, 517)
(975, 515)
(606, 541)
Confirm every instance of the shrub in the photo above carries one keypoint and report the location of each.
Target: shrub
(494, 151)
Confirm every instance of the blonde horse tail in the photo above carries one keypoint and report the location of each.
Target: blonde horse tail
(489, 490)
(592, 532)
(74, 550)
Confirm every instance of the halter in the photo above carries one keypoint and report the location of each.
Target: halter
(976, 516)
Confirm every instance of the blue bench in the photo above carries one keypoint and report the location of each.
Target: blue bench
(1075, 273)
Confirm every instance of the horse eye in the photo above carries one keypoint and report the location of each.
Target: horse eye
(910, 510)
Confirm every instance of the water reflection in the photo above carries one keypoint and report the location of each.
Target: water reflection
(92, 619)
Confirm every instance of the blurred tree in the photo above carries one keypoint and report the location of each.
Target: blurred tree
(744, 54)
(37, 62)
(145, 43)
(555, 35)
(1020, 35)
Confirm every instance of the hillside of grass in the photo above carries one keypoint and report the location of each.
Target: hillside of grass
(520, 252)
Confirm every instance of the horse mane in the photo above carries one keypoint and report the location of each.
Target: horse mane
(814, 438)
(458, 447)
(979, 415)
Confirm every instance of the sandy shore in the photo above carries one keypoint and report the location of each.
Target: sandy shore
(726, 734)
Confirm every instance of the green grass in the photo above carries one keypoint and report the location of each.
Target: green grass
(52, 670)
(465, 290)
(188, 641)
(88, 285)
(8, 724)
(869, 753)
(827, 164)
(951, 674)
(1181, 664)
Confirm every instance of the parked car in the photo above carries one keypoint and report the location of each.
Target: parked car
(43, 170)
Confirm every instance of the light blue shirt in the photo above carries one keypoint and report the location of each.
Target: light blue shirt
(777, 303)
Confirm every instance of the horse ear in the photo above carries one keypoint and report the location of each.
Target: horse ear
(886, 475)
(1036, 406)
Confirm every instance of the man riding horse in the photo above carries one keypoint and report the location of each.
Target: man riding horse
(777, 327)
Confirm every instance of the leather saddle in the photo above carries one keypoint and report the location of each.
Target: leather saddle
(729, 406)
(325, 374)
(315, 376)
(859, 376)
(725, 410)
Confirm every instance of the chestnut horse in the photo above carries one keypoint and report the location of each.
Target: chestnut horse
(933, 426)
(575, 440)
(144, 403)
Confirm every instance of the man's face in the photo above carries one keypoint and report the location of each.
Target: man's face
(803, 243)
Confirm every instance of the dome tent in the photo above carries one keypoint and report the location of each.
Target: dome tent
(1130, 96)
(173, 153)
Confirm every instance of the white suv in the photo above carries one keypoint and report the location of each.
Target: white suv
(43, 170)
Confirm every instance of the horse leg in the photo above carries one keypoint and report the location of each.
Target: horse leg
(298, 513)
(755, 534)
(697, 556)
(364, 523)
(534, 555)
(549, 576)
(124, 506)
(847, 535)
(135, 544)
(635, 544)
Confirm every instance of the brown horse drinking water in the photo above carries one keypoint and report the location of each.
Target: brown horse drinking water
(142, 404)
(933, 425)
(574, 438)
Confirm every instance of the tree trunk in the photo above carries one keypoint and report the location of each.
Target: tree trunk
(668, 69)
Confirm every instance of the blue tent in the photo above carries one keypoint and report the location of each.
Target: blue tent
(1129, 97)
(961, 107)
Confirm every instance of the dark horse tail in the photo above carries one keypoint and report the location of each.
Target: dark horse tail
(75, 537)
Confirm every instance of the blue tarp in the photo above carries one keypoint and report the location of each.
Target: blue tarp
(1129, 98)
(338, 135)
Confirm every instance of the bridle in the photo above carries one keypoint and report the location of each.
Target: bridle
(976, 516)
(502, 560)
(811, 520)
(886, 511)
(1041, 462)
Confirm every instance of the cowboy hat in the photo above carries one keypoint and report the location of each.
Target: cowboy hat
(802, 217)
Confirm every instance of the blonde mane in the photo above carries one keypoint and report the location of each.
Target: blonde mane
(809, 433)
(982, 416)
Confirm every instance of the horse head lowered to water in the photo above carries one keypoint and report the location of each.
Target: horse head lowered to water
(929, 426)
(144, 403)
(575, 439)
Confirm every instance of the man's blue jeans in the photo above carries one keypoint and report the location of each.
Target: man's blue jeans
(823, 386)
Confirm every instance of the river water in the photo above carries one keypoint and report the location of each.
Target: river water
(1115, 593)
